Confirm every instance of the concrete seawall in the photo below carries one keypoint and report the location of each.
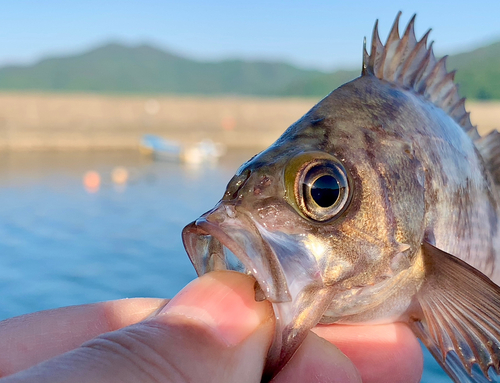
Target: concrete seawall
(80, 121)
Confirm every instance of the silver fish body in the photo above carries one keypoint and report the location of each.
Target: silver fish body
(379, 205)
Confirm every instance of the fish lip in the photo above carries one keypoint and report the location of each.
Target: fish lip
(269, 275)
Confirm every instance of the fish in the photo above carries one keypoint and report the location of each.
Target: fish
(380, 205)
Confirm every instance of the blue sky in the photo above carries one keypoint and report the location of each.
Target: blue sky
(314, 34)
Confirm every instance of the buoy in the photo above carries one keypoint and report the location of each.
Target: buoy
(92, 181)
(119, 175)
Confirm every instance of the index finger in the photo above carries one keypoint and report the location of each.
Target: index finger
(30, 339)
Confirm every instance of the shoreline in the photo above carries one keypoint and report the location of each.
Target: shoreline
(65, 122)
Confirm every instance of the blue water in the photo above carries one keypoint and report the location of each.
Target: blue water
(62, 245)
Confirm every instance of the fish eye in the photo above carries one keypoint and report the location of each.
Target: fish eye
(323, 190)
(320, 185)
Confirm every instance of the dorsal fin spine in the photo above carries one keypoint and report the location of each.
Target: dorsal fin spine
(457, 108)
(429, 67)
(390, 49)
(407, 77)
(435, 77)
(423, 67)
(442, 88)
(448, 92)
(464, 118)
(407, 46)
(376, 49)
(366, 58)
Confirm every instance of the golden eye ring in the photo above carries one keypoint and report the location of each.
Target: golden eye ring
(320, 186)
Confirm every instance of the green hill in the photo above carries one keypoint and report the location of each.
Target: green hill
(144, 69)
(116, 68)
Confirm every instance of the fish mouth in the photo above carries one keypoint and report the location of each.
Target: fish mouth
(211, 248)
(287, 273)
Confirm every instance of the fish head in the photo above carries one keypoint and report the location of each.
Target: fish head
(332, 209)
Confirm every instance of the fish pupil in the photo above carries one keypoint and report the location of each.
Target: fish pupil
(325, 191)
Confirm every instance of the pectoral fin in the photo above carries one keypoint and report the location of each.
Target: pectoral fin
(460, 318)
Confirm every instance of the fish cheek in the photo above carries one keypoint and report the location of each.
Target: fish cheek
(382, 228)
(275, 214)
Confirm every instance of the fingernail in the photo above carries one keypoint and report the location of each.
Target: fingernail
(223, 302)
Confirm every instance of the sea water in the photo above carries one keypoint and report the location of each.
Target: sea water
(62, 243)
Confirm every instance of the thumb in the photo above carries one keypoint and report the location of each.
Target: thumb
(212, 331)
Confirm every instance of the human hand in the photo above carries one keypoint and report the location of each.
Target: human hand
(212, 331)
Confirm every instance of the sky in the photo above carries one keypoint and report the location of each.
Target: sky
(318, 34)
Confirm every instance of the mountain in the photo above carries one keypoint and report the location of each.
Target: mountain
(478, 72)
(144, 69)
(116, 68)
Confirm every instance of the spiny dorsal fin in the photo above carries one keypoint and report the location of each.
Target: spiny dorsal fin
(412, 65)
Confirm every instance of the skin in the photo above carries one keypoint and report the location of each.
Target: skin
(213, 330)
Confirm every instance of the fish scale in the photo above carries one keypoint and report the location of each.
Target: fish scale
(405, 230)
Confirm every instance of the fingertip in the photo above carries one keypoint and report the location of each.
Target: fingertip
(224, 303)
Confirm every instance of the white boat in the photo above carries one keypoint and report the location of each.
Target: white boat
(167, 150)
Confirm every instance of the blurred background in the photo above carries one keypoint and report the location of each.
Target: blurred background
(120, 122)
